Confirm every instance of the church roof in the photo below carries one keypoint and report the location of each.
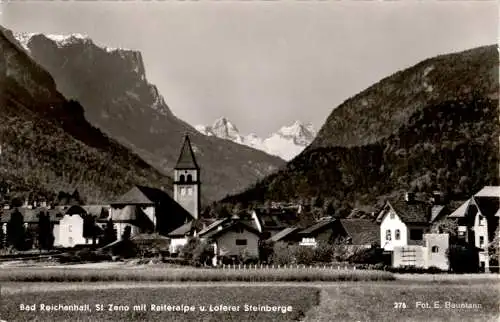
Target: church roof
(186, 158)
(142, 195)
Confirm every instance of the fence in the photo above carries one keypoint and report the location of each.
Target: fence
(292, 266)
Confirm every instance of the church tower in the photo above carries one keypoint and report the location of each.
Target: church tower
(187, 180)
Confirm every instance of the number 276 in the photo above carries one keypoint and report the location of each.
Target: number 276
(399, 305)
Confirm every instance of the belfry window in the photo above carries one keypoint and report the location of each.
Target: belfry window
(182, 178)
(189, 178)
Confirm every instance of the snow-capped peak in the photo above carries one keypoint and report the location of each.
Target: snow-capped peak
(286, 143)
(302, 134)
(66, 39)
(61, 40)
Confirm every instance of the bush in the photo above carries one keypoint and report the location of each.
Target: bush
(415, 270)
(368, 256)
(282, 254)
(84, 255)
(304, 255)
(463, 259)
(323, 253)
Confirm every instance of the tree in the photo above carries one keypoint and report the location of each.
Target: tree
(330, 209)
(2, 237)
(89, 227)
(45, 233)
(16, 234)
(494, 249)
(319, 202)
(126, 233)
(447, 226)
(109, 233)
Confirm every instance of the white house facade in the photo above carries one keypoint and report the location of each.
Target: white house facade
(393, 231)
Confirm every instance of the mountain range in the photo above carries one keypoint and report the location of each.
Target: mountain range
(433, 126)
(47, 145)
(286, 143)
(111, 86)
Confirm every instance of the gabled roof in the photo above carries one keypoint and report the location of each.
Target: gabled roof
(461, 211)
(143, 195)
(489, 191)
(213, 226)
(317, 226)
(182, 230)
(436, 212)
(282, 234)
(75, 210)
(277, 218)
(361, 231)
(215, 233)
(186, 158)
(412, 212)
(98, 211)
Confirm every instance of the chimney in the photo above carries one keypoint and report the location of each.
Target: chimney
(409, 197)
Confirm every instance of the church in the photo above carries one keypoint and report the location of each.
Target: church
(148, 210)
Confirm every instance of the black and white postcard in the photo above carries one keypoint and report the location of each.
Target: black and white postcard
(249, 160)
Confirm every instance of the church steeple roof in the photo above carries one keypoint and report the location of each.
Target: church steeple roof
(186, 158)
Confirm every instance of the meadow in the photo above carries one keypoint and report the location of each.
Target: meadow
(408, 301)
(290, 305)
(162, 274)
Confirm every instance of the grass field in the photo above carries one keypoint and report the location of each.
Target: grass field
(292, 304)
(397, 301)
(338, 301)
(36, 274)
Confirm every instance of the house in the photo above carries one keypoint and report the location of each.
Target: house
(404, 222)
(432, 253)
(356, 232)
(324, 230)
(30, 218)
(80, 225)
(478, 219)
(148, 209)
(287, 235)
(359, 232)
(180, 236)
(271, 221)
(233, 239)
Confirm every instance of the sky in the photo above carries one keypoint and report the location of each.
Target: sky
(264, 64)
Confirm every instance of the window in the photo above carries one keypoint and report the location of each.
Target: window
(190, 191)
(189, 178)
(183, 191)
(435, 249)
(398, 234)
(70, 228)
(416, 234)
(241, 242)
(182, 178)
(482, 221)
(392, 216)
(239, 230)
(481, 241)
(70, 240)
(388, 234)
